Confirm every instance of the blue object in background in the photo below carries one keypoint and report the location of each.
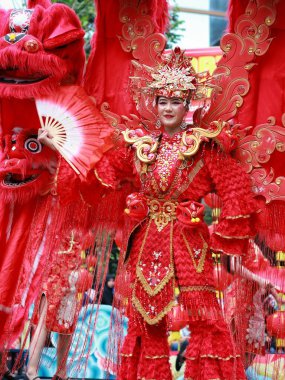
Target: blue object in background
(89, 347)
(252, 375)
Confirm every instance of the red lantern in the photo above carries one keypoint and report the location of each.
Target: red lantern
(276, 327)
(222, 277)
(177, 318)
(213, 201)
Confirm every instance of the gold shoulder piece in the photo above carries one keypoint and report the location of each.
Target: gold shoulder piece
(146, 146)
(192, 138)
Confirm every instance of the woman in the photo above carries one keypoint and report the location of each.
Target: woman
(169, 243)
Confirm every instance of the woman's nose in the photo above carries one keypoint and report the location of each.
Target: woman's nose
(168, 106)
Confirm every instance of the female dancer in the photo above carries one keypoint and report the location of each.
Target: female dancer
(169, 244)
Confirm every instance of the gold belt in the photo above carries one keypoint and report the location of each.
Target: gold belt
(162, 212)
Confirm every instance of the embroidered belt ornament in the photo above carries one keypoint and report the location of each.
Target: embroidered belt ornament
(162, 212)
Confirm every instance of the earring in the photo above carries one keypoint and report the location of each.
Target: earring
(158, 124)
(183, 125)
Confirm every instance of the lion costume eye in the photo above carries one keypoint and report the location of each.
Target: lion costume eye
(33, 145)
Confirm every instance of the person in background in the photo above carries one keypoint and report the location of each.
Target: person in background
(108, 292)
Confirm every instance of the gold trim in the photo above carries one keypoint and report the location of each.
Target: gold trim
(197, 288)
(233, 237)
(135, 300)
(126, 355)
(157, 357)
(72, 242)
(152, 292)
(158, 317)
(100, 180)
(213, 357)
(237, 217)
(200, 267)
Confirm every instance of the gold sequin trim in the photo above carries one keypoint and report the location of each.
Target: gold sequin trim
(197, 288)
(126, 355)
(237, 216)
(146, 317)
(157, 357)
(200, 266)
(70, 249)
(135, 300)
(153, 291)
(232, 237)
(100, 180)
(213, 357)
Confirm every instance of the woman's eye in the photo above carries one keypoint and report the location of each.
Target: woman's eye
(33, 145)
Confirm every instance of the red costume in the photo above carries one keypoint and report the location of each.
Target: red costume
(170, 245)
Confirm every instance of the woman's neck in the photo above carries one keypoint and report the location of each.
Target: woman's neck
(172, 131)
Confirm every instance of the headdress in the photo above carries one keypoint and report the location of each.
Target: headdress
(174, 76)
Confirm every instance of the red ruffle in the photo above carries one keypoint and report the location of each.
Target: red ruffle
(231, 236)
(228, 246)
(211, 353)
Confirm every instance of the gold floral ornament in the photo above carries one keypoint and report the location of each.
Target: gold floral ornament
(173, 81)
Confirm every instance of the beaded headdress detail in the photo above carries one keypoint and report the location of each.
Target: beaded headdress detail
(174, 76)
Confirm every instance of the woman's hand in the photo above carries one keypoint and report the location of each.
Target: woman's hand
(44, 138)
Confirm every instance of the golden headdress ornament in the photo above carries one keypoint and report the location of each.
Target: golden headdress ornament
(174, 76)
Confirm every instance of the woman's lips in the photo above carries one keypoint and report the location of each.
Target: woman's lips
(168, 116)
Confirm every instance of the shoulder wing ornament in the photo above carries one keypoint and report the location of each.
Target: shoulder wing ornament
(230, 79)
(261, 154)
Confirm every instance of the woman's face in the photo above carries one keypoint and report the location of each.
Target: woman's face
(171, 112)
